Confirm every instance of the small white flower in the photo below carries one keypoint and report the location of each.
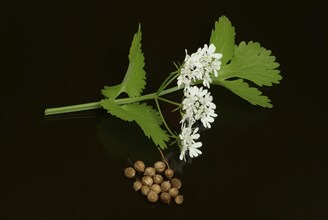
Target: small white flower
(187, 138)
(207, 79)
(208, 117)
(198, 102)
(200, 66)
(211, 52)
(186, 77)
(198, 105)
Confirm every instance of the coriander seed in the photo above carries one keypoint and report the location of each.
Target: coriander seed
(179, 199)
(137, 185)
(159, 166)
(150, 171)
(175, 182)
(166, 185)
(165, 197)
(144, 190)
(169, 173)
(147, 181)
(173, 192)
(156, 188)
(152, 196)
(158, 179)
(129, 172)
(139, 166)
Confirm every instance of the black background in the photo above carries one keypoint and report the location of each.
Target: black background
(256, 164)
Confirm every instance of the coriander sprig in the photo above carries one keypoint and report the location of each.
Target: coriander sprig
(222, 62)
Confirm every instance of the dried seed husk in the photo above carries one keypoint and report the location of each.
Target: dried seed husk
(147, 180)
(137, 185)
(158, 179)
(129, 172)
(159, 166)
(166, 185)
(165, 197)
(156, 188)
(150, 171)
(178, 199)
(144, 190)
(139, 166)
(152, 196)
(169, 173)
(176, 183)
(174, 192)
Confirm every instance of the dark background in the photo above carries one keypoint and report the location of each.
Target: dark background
(256, 164)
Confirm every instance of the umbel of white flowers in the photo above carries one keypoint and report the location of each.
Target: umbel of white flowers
(198, 102)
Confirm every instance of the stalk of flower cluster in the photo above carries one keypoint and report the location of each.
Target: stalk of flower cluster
(197, 103)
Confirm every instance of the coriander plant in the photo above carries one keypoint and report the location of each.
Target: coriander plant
(221, 62)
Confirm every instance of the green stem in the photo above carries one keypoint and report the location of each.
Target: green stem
(96, 105)
(169, 101)
(168, 80)
(72, 108)
(164, 122)
(168, 91)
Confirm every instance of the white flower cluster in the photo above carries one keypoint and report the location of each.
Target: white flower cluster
(197, 103)
(200, 66)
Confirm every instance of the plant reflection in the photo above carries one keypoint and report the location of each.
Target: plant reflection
(123, 140)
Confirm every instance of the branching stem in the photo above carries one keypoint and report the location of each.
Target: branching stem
(96, 105)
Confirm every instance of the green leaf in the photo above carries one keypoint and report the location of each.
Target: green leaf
(145, 116)
(252, 62)
(112, 91)
(135, 78)
(223, 37)
(242, 89)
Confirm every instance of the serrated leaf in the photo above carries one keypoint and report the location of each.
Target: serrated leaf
(223, 37)
(135, 78)
(145, 116)
(111, 92)
(242, 89)
(254, 63)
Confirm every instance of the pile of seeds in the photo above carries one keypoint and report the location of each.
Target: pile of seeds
(155, 182)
